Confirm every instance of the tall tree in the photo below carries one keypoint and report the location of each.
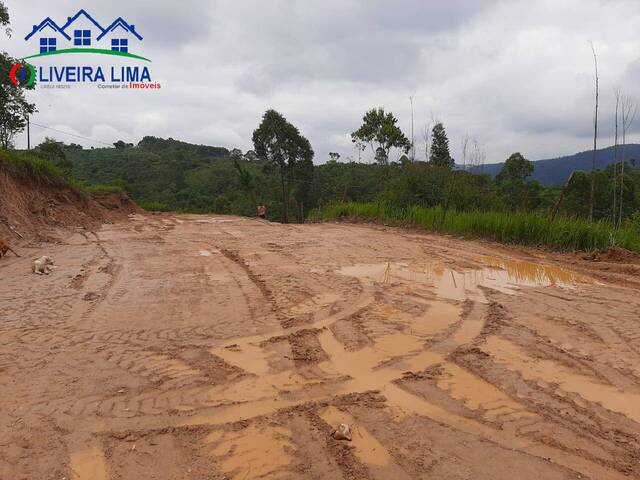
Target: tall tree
(595, 137)
(516, 168)
(280, 145)
(380, 132)
(615, 159)
(439, 155)
(413, 146)
(14, 107)
(512, 185)
(629, 109)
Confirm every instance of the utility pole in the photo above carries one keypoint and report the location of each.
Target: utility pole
(28, 134)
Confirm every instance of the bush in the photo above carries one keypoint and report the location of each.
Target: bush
(104, 188)
(634, 221)
(154, 206)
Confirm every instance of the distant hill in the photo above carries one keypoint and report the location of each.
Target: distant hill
(555, 171)
(157, 169)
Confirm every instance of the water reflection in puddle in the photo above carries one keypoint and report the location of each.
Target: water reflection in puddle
(531, 274)
(500, 274)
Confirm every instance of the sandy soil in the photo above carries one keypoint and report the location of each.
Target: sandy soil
(209, 347)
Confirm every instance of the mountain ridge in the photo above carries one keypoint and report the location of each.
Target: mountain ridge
(555, 171)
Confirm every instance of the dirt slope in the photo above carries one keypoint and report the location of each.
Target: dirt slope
(209, 347)
(34, 210)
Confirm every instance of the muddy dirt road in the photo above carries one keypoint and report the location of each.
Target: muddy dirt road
(210, 347)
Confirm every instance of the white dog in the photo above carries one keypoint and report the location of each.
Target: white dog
(42, 265)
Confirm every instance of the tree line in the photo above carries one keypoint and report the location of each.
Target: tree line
(279, 170)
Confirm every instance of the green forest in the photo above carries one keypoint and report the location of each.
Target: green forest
(282, 172)
(170, 175)
(166, 174)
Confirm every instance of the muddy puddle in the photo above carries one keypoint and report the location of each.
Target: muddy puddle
(477, 394)
(516, 358)
(499, 274)
(88, 464)
(529, 274)
(414, 326)
(253, 452)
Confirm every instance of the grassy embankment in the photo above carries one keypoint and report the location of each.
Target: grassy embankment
(565, 234)
(31, 167)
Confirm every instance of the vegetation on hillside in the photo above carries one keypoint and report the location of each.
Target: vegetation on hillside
(166, 174)
(48, 170)
(30, 166)
(172, 175)
(14, 107)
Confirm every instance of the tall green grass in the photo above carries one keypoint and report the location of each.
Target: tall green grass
(30, 166)
(565, 234)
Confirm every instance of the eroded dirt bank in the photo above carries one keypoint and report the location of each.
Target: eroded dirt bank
(209, 347)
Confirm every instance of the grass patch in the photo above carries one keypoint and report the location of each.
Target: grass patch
(104, 189)
(31, 167)
(564, 234)
(154, 206)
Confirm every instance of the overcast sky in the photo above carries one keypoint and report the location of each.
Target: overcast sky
(517, 75)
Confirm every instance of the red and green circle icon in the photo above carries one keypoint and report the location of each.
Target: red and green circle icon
(22, 75)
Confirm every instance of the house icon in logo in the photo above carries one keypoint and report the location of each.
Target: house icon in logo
(83, 34)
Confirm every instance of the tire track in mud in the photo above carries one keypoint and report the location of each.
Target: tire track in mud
(547, 406)
(504, 412)
(193, 382)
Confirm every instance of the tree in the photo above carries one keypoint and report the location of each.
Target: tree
(380, 128)
(4, 19)
(439, 155)
(120, 144)
(281, 146)
(54, 152)
(334, 156)
(250, 156)
(14, 107)
(512, 185)
(478, 156)
(516, 168)
(629, 110)
(426, 136)
(595, 137)
(615, 157)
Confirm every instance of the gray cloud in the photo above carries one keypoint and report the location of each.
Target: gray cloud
(517, 75)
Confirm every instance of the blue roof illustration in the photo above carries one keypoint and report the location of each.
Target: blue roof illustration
(47, 22)
(70, 20)
(119, 22)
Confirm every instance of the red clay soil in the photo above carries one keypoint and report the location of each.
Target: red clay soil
(209, 347)
(612, 255)
(31, 210)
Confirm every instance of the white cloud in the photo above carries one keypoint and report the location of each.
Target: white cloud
(517, 75)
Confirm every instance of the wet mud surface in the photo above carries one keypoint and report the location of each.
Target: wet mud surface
(208, 347)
